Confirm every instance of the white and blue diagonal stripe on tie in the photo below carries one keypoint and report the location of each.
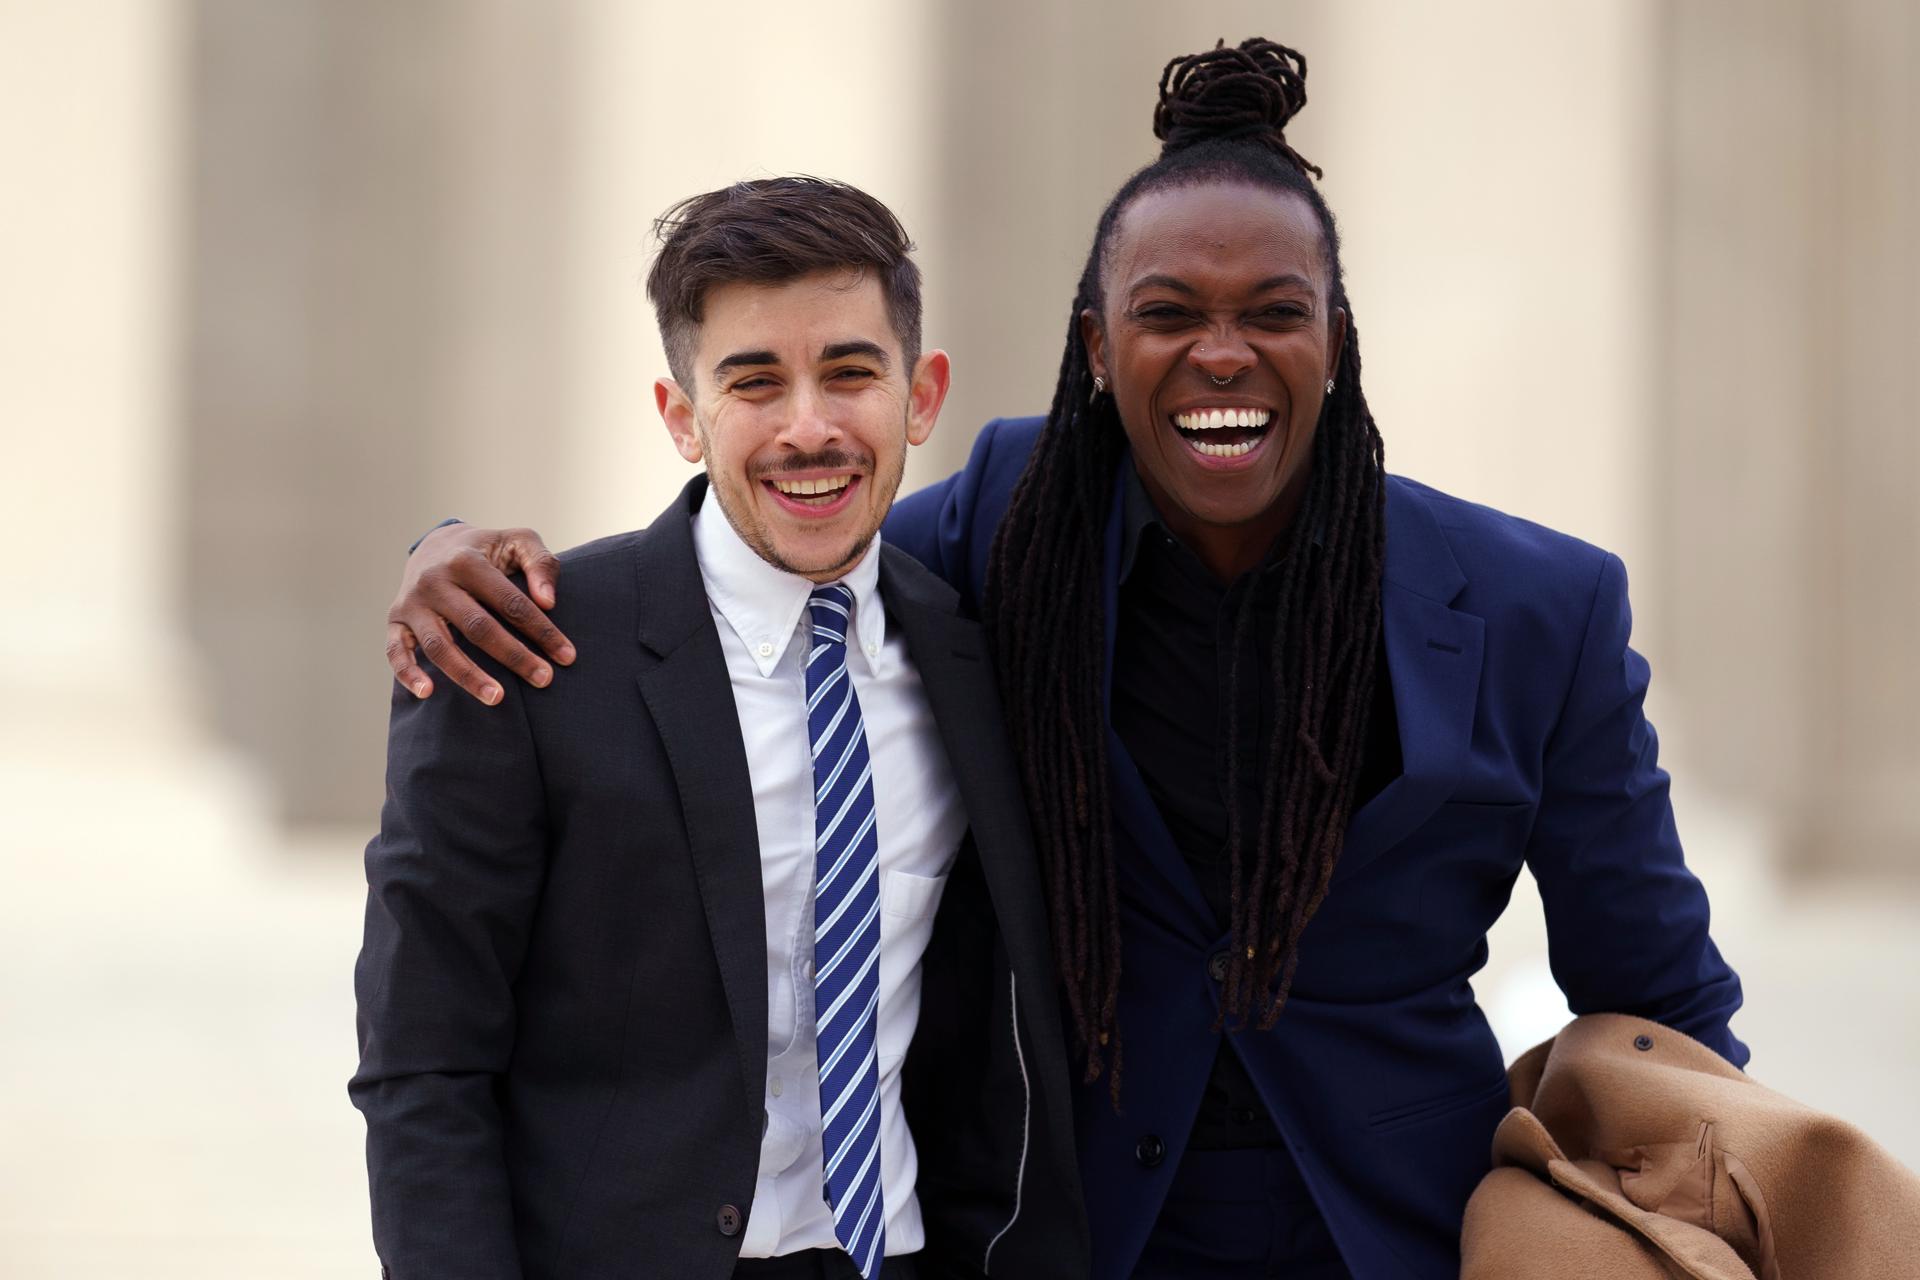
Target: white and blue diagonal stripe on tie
(846, 936)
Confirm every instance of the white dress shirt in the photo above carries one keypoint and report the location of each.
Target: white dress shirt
(757, 610)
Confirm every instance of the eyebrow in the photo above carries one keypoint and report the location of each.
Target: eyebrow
(1287, 280)
(833, 351)
(741, 358)
(856, 347)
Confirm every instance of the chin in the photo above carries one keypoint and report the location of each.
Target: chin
(811, 557)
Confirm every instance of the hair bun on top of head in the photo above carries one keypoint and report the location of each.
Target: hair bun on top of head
(1222, 94)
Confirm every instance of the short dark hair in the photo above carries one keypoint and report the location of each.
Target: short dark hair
(770, 231)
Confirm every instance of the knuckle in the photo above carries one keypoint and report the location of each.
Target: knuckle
(476, 623)
(436, 647)
(516, 608)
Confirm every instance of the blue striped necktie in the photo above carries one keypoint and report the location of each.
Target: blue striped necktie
(846, 936)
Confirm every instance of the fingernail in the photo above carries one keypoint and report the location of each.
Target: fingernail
(542, 677)
(490, 695)
(421, 689)
(565, 654)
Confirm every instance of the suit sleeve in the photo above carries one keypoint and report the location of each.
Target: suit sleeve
(1626, 921)
(453, 879)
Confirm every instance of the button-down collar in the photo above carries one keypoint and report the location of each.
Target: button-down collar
(763, 604)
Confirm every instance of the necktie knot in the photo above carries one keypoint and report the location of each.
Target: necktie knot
(830, 609)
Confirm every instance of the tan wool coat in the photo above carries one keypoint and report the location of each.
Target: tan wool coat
(1633, 1151)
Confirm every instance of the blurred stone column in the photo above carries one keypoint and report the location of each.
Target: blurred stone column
(89, 139)
(1789, 443)
(375, 195)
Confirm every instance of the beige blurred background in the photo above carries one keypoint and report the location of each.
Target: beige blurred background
(286, 281)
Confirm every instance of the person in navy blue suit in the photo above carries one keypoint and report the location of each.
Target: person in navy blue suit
(1289, 727)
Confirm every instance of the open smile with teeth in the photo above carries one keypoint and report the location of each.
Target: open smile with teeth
(813, 493)
(1223, 433)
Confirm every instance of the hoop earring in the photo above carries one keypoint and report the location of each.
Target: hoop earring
(1099, 387)
(1329, 386)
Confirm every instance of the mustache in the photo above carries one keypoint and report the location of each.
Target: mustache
(825, 460)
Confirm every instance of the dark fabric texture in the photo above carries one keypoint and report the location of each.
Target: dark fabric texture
(562, 1012)
(1240, 1215)
(1173, 647)
(823, 1264)
(1522, 742)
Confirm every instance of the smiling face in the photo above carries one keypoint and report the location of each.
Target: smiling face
(802, 413)
(1209, 284)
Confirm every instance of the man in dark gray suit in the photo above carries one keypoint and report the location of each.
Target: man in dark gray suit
(726, 955)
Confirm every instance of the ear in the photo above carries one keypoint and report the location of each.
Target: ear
(1338, 342)
(932, 375)
(1094, 334)
(676, 410)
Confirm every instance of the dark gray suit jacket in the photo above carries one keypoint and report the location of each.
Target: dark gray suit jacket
(562, 991)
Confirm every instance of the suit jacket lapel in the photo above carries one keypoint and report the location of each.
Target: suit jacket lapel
(950, 654)
(687, 689)
(1433, 658)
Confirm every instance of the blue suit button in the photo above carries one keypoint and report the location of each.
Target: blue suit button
(1217, 966)
(1150, 1151)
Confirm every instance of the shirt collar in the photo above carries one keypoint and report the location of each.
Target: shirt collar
(1137, 516)
(763, 604)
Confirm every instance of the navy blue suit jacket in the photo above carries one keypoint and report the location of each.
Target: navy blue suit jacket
(1523, 740)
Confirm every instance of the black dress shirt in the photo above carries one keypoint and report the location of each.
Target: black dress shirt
(1171, 697)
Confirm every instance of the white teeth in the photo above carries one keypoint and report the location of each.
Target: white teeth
(807, 488)
(1224, 450)
(1214, 419)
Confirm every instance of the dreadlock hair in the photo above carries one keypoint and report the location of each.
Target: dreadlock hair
(1220, 119)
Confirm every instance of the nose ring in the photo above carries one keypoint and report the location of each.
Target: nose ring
(1221, 382)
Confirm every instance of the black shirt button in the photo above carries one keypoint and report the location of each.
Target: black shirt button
(1150, 1151)
(729, 1220)
(1217, 966)
(1643, 1043)
(1243, 1115)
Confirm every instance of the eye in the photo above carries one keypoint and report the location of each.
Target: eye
(853, 374)
(1285, 312)
(1160, 314)
(752, 382)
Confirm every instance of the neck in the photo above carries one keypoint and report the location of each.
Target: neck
(1230, 553)
(1230, 550)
